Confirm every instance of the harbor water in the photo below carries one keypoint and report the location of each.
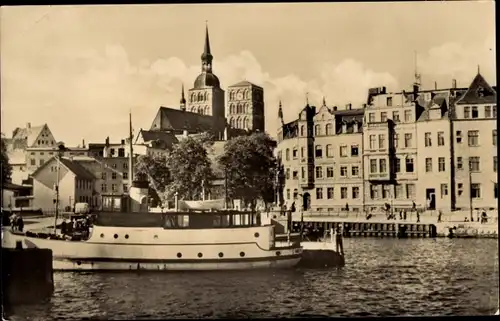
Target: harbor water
(382, 277)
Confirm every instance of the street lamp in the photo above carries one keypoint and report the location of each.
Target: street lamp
(60, 153)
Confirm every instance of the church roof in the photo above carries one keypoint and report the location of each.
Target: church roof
(244, 83)
(176, 119)
(206, 79)
(479, 92)
(168, 138)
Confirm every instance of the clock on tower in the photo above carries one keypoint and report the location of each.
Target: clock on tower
(239, 96)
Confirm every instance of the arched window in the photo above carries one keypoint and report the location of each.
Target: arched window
(232, 122)
(201, 110)
(329, 129)
(240, 109)
(247, 123)
(200, 97)
(329, 150)
(246, 108)
(302, 130)
(194, 110)
(231, 95)
(206, 96)
(207, 111)
(317, 130)
(193, 97)
(287, 154)
(319, 151)
(238, 122)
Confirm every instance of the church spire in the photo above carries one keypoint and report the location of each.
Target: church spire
(206, 57)
(280, 112)
(324, 101)
(183, 99)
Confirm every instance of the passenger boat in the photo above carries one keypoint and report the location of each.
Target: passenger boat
(192, 240)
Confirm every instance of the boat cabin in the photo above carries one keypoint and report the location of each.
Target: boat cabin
(181, 220)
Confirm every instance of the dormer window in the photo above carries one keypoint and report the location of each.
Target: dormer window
(480, 92)
(344, 126)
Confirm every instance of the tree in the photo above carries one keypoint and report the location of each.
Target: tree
(190, 168)
(4, 162)
(154, 169)
(249, 164)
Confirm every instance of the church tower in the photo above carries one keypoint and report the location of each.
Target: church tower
(206, 97)
(246, 106)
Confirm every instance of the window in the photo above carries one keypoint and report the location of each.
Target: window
(113, 187)
(329, 150)
(113, 175)
(389, 101)
(459, 136)
(343, 192)
(473, 137)
(319, 172)
(125, 188)
(494, 111)
(373, 191)
(295, 174)
(125, 175)
(383, 117)
(408, 140)
(42, 161)
(295, 194)
(319, 151)
(33, 161)
(329, 172)
(302, 130)
(460, 189)
(303, 172)
(303, 152)
(466, 112)
(444, 190)
(487, 111)
(287, 154)
(104, 188)
(396, 140)
(383, 165)
(103, 175)
(459, 163)
(125, 165)
(373, 165)
(121, 152)
(287, 173)
(397, 165)
(495, 164)
(371, 117)
(407, 115)
(355, 171)
(319, 193)
(475, 112)
(381, 141)
(410, 191)
(343, 171)
(494, 136)
(295, 153)
(355, 192)
(495, 190)
(440, 138)
(395, 116)
(475, 190)
(398, 191)
(317, 130)
(474, 164)
(287, 193)
(354, 150)
(329, 129)
(373, 140)
(428, 165)
(409, 165)
(427, 139)
(441, 164)
(386, 192)
(329, 193)
(343, 151)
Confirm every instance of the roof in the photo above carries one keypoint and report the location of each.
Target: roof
(176, 119)
(72, 166)
(29, 133)
(206, 79)
(167, 138)
(14, 187)
(245, 83)
(16, 156)
(439, 102)
(479, 92)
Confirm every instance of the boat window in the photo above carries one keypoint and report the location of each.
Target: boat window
(102, 235)
(221, 254)
(256, 234)
(126, 236)
(179, 255)
(115, 236)
(200, 254)
(242, 254)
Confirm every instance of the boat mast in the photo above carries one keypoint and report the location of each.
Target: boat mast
(130, 163)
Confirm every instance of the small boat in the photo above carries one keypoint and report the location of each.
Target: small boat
(188, 240)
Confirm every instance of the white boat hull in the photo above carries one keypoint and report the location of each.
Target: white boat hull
(94, 256)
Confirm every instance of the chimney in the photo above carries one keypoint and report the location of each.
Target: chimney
(435, 85)
(334, 108)
(107, 141)
(28, 125)
(83, 143)
(364, 106)
(454, 83)
(123, 141)
(348, 106)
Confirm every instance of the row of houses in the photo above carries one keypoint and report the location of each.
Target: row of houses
(435, 148)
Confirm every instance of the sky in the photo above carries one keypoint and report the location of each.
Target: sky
(82, 69)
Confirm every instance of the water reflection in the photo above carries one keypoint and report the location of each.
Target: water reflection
(381, 277)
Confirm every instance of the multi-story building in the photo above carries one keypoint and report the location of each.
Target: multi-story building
(321, 157)
(474, 135)
(246, 106)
